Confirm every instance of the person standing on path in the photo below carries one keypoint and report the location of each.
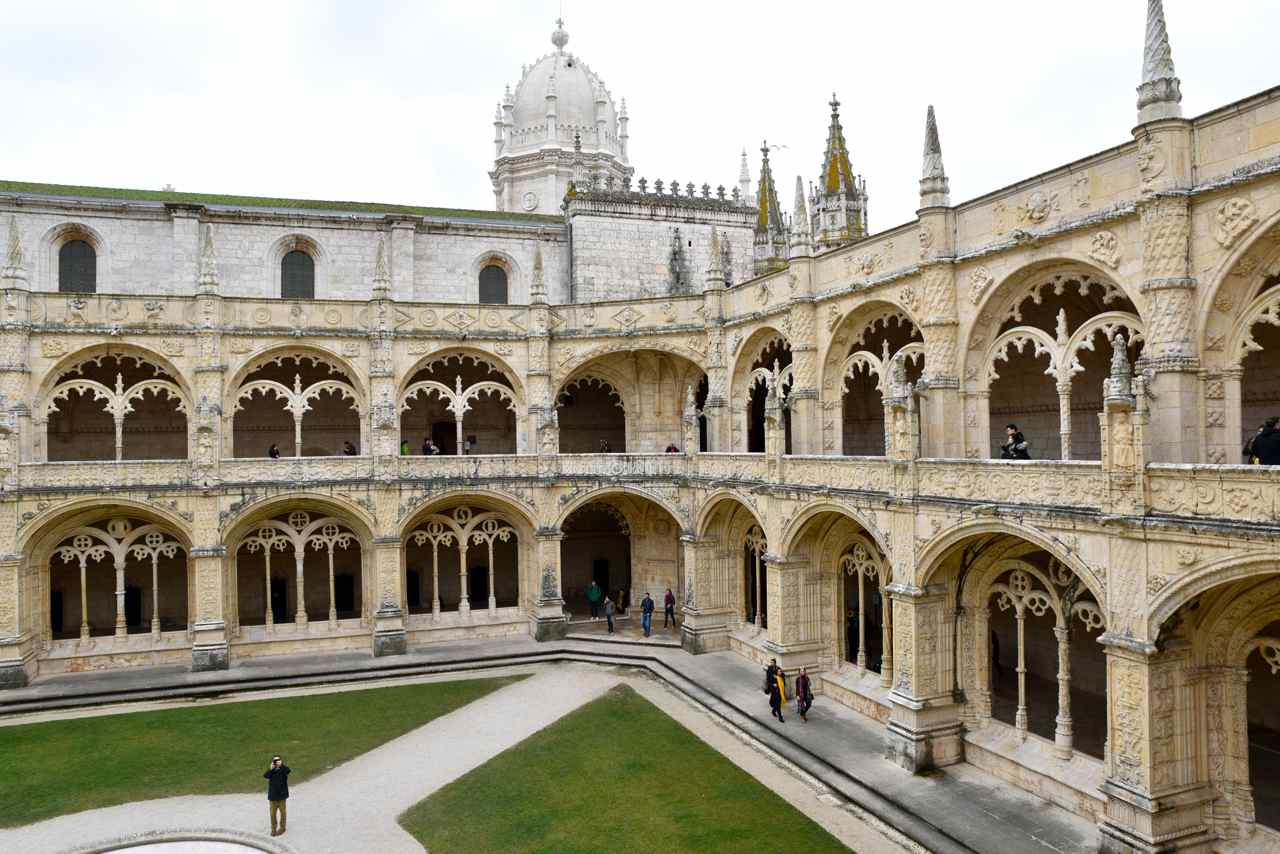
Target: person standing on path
(608, 612)
(668, 608)
(804, 695)
(776, 696)
(646, 614)
(277, 793)
(594, 593)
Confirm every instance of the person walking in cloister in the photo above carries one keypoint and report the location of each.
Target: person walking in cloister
(777, 694)
(594, 595)
(668, 608)
(608, 612)
(804, 695)
(646, 614)
(277, 777)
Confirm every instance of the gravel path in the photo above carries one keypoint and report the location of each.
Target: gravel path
(353, 807)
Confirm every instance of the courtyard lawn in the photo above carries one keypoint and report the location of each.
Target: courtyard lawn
(62, 767)
(616, 773)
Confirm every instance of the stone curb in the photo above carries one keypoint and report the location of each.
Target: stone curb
(255, 841)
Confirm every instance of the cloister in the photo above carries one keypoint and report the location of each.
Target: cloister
(809, 459)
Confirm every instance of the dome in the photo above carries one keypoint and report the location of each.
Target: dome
(577, 89)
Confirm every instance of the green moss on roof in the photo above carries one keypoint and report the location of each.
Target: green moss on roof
(35, 189)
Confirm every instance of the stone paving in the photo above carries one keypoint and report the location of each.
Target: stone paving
(959, 808)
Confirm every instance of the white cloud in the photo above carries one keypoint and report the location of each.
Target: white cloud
(393, 101)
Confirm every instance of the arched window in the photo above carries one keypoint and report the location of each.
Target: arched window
(77, 268)
(298, 276)
(493, 285)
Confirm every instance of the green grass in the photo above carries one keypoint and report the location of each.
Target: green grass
(615, 774)
(60, 767)
(40, 189)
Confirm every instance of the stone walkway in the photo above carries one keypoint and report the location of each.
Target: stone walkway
(959, 808)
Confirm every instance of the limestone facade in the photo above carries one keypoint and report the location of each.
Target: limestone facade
(1100, 623)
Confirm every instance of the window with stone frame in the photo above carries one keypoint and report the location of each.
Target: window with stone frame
(297, 275)
(493, 285)
(77, 267)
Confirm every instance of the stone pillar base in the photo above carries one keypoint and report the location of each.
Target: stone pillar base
(1136, 824)
(549, 621)
(921, 737)
(701, 633)
(214, 656)
(389, 637)
(210, 651)
(13, 675)
(391, 642)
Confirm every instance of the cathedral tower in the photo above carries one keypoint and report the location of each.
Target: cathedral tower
(839, 203)
(558, 99)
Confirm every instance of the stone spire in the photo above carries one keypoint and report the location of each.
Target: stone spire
(839, 212)
(538, 286)
(771, 230)
(935, 189)
(715, 264)
(800, 243)
(744, 181)
(837, 172)
(381, 275)
(208, 280)
(1160, 95)
(13, 263)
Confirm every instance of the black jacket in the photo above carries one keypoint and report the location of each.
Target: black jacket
(1266, 447)
(277, 783)
(1015, 448)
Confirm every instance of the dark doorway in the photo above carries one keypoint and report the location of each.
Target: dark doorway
(445, 436)
(478, 586)
(344, 595)
(279, 599)
(600, 572)
(413, 589)
(133, 606)
(55, 611)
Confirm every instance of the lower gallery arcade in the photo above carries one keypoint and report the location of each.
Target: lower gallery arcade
(1004, 638)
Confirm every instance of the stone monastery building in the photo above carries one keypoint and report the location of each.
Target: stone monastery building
(1100, 624)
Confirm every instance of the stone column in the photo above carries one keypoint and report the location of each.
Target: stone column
(13, 671)
(924, 718)
(1169, 287)
(389, 636)
(706, 611)
(549, 621)
(1155, 802)
(1062, 734)
(1064, 418)
(716, 407)
(209, 649)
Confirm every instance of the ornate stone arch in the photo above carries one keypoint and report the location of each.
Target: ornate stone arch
(931, 557)
(576, 361)
(598, 495)
(51, 243)
(1234, 284)
(852, 328)
(446, 354)
(795, 526)
(713, 503)
(84, 355)
(303, 242)
(485, 499)
(1203, 579)
(242, 519)
(278, 352)
(1000, 302)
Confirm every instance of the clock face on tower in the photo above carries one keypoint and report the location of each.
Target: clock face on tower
(530, 200)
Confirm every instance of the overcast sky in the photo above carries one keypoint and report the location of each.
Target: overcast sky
(393, 101)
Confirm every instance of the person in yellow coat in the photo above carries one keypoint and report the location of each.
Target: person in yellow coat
(778, 695)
